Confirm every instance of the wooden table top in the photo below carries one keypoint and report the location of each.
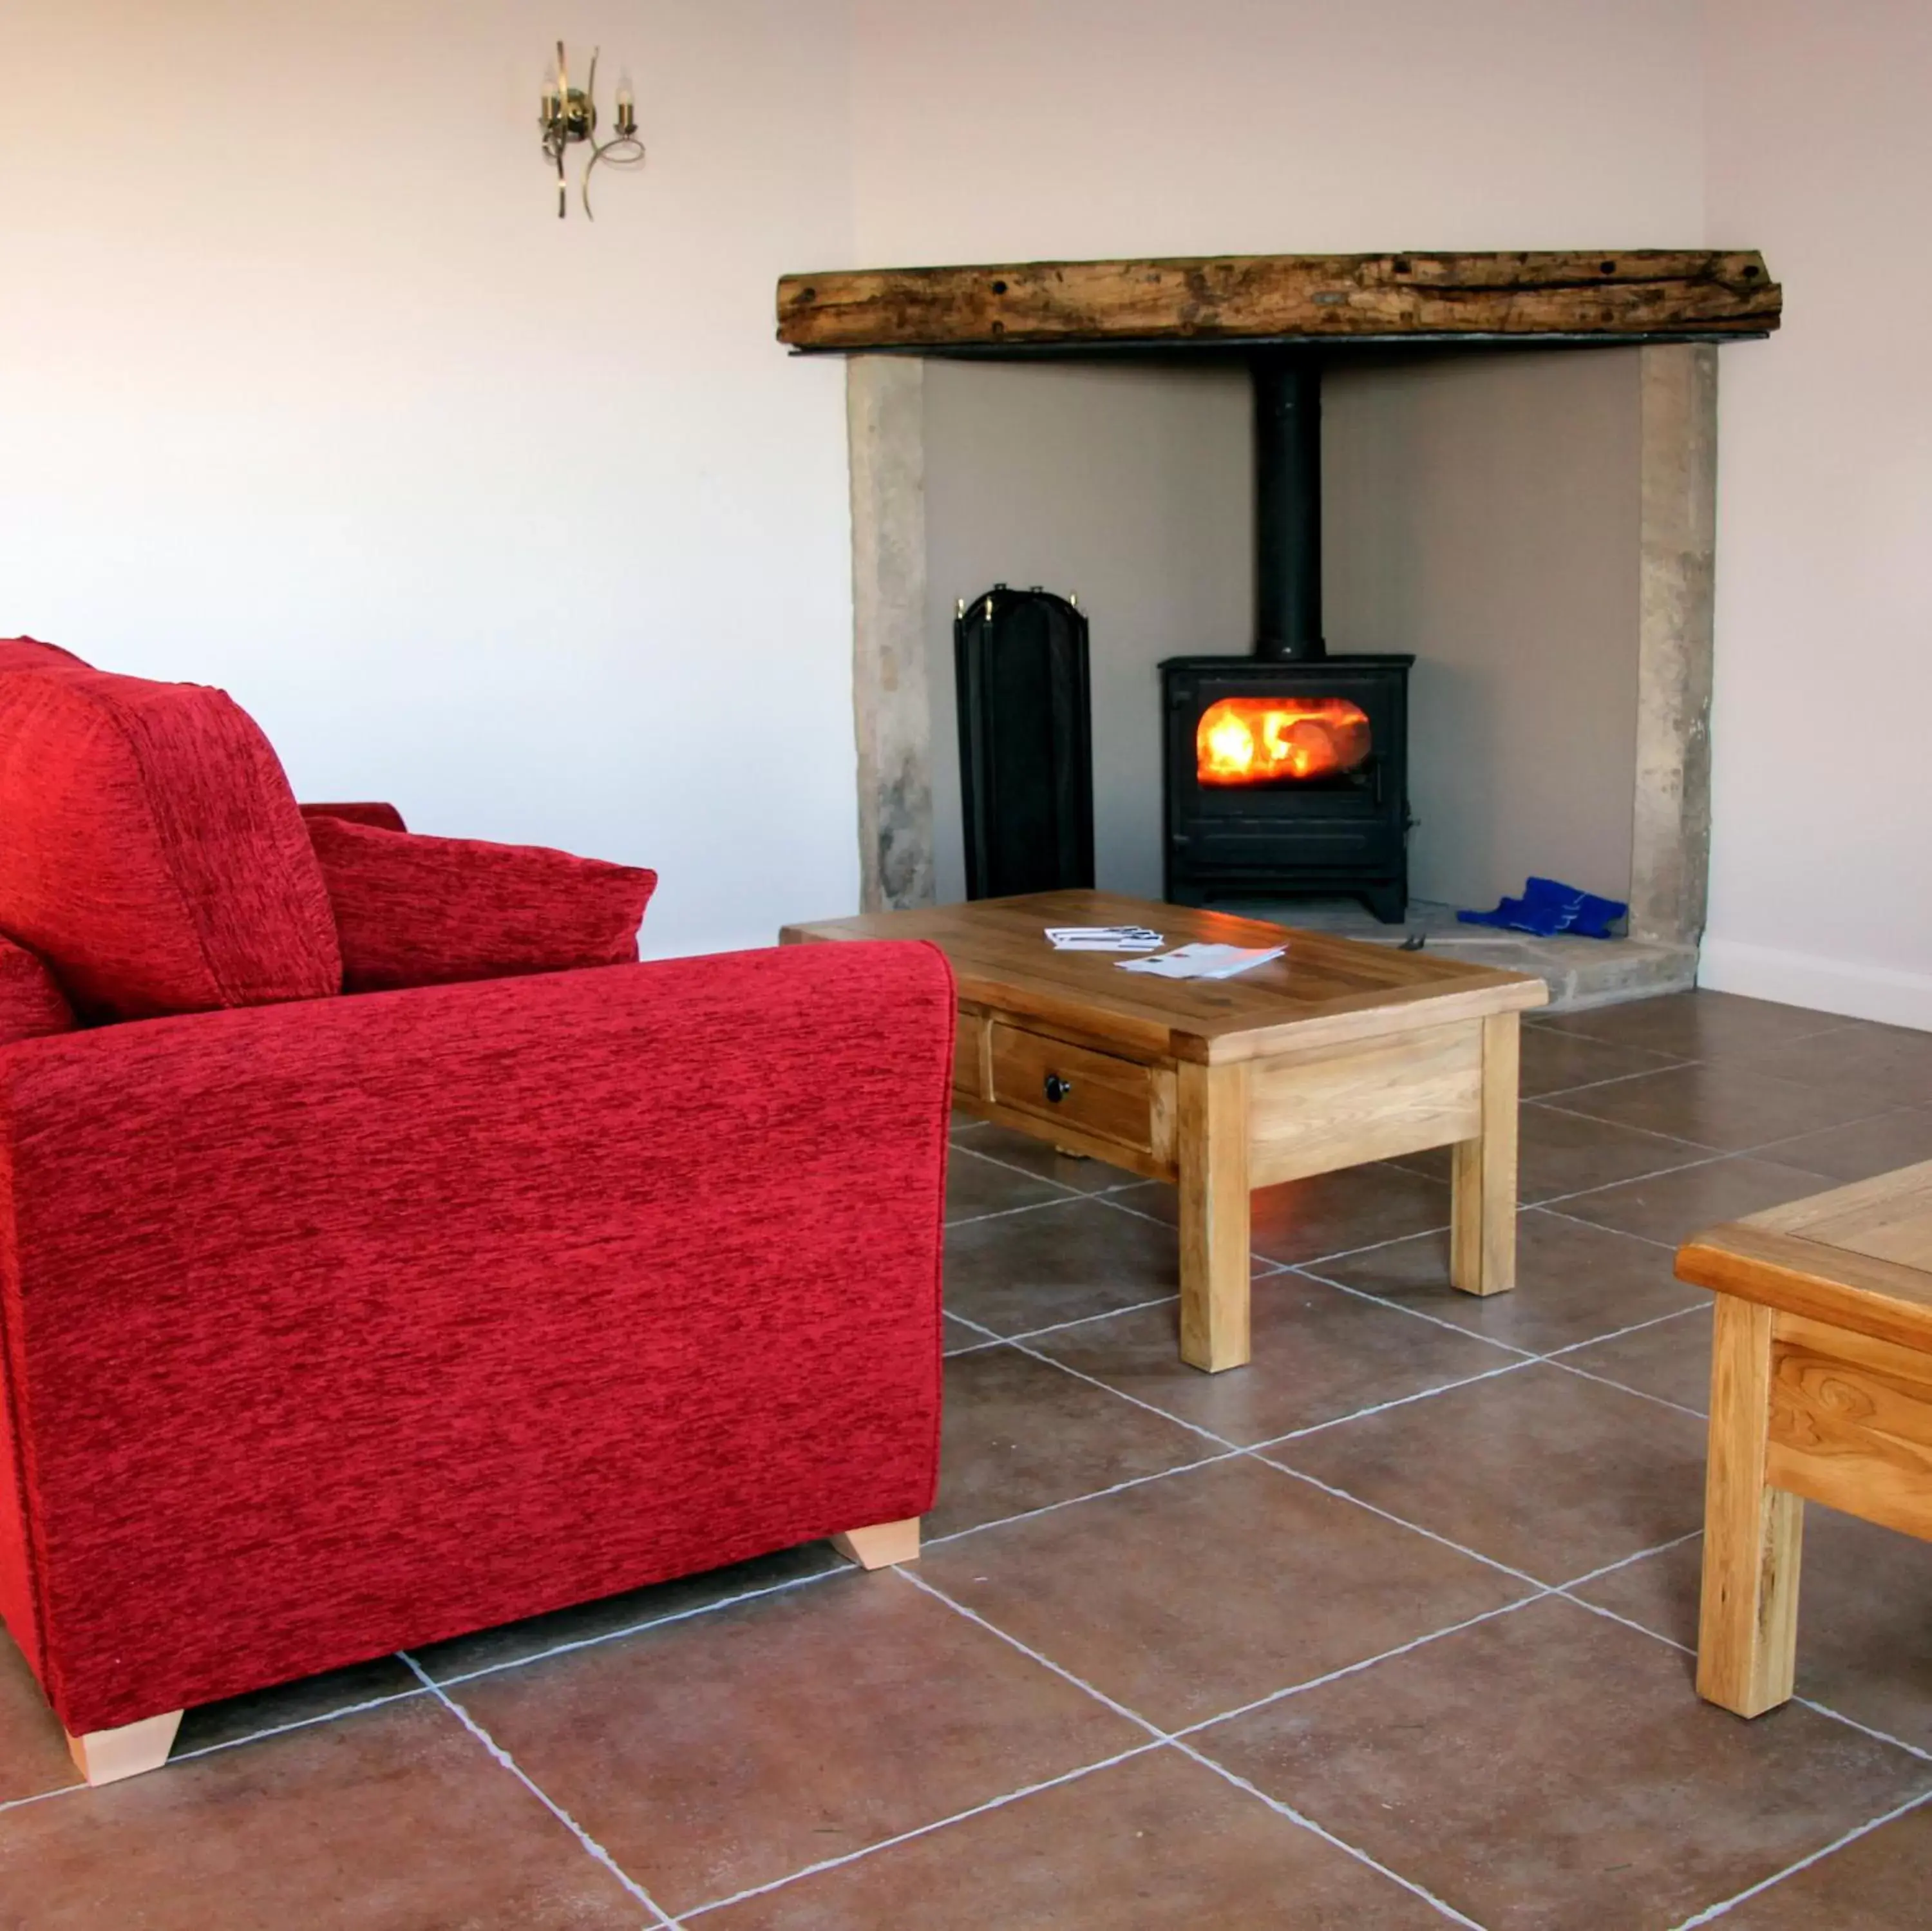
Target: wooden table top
(1323, 990)
(1858, 1256)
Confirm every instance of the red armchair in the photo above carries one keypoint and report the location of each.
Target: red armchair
(340, 1325)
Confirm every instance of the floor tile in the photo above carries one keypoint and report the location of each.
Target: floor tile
(1035, 1157)
(1159, 1840)
(1669, 1208)
(1555, 1062)
(1574, 1283)
(394, 1821)
(1019, 1434)
(1670, 1359)
(1194, 1594)
(1879, 1882)
(613, 1615)
(1059, 1263)
(1560, 1153)
(1545, 1471)
(713, 1755)
(288, 1703)
(33, 1746)
(1332, 1213)
(1729, 1105)
(1865, 1147)
(1892, 1064)
(1864, 1640)
(1696, 1026)
(974, 1186)
(1550, 1770)
(1318, 1353)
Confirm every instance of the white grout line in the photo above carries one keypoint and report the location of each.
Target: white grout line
(1611, 1616)
(1870, 1730)
(1361, 1857)
(1398, 1401)
(1712, 1912)
(1643, 1394)
(1553, 1200)
(1073, 1501)
(1105, 1314)
(926, 1829)
(1420, 1313)
(1093, 1381)
(1356, 1668)
(1625, 1562)
(1401, 1521)
(1133, 1716)
(637, 1629)
(1009, 1213)
(1611, 1079)
(661, 1917)
(1618, 1334)
(1079, 1193)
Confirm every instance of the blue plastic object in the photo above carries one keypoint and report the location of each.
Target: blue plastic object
(1548, 906)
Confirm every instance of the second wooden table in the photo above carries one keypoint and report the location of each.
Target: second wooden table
(1338, 1053)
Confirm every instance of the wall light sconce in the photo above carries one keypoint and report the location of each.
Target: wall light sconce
(569, 115)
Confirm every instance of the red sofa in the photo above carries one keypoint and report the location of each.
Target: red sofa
(336, 1325)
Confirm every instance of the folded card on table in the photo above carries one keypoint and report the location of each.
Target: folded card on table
(1204, 961)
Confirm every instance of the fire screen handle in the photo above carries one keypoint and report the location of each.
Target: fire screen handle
(1057, 1088)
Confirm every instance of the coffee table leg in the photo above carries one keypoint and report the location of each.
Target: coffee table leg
(1211, 1133)
(1482, 1240)
(1747, 1628)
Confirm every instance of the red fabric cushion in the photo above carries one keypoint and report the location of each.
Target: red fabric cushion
(424, 911)
(32, 1003)
(29, 654)
(346, 1326)
(384, 817)
(153, 855)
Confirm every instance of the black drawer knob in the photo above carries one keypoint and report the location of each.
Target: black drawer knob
(1057, 1088)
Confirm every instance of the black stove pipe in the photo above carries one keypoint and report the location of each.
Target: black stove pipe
(1288, 507)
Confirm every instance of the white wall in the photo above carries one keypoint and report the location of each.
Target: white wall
(1010, 129)
(526, 524)
(1821, 155)
(1125, 484)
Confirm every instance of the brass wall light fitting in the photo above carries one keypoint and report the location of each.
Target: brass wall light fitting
(569, 115)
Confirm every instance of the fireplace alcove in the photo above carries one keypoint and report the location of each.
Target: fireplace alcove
(1424, 388)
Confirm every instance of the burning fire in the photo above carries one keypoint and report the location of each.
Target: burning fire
(1272, 740)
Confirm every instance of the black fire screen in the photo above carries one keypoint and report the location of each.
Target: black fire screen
(1026, 752)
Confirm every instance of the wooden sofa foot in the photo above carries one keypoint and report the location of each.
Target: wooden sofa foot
(106, 1756)
(883, 1544)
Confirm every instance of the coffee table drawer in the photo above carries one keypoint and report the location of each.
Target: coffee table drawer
(1111, 1099)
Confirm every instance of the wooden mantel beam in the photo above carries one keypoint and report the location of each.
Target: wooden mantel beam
(1640, 295)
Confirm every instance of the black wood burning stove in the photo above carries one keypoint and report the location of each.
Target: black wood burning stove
(1287, 773)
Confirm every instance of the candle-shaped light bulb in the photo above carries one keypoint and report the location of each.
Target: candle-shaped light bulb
(627, 102)
(550, 90)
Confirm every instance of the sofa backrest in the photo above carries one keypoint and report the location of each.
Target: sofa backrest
(150, 850)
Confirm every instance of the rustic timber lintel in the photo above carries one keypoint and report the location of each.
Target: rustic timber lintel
(1646, 295)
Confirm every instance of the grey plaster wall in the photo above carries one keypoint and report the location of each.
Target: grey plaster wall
(1128, 485)
(1484, 511)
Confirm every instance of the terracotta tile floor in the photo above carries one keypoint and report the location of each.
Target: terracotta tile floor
(1391, 1628)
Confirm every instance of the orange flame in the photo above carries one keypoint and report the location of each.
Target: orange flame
(1271, 741)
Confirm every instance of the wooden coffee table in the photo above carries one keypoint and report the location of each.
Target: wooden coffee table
(1338, 1053)
(1821, 1386)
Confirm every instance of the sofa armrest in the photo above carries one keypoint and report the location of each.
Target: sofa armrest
(337, 1327)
